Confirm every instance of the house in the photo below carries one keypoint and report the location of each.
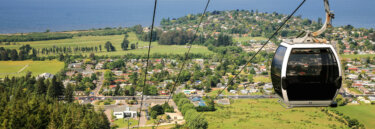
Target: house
(66, 82)
(79, 93)
(268, 86)
(118, 73)
(99, 66)
(75, 65)
(188, 92)
(244, 91)
(223, 101)
(125, 112)
(45, 76)
(233, 91)
(371, 98)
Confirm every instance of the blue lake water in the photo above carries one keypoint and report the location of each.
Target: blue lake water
(63, 15)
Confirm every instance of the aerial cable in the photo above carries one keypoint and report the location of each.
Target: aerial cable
(147, 63)
(187, 54)
(273, 35)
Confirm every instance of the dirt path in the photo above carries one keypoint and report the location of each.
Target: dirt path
(23, 68)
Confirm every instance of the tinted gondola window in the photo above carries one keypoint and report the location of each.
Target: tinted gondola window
(276, 69)
(311, 74)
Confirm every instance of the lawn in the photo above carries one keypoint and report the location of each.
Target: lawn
(11, 68)
(358, 56)
(355, 90)
(88, 41)
(364, 113)
(264, 79)
(265, 114)
(215, 91)
(121, 123)
(242, 39)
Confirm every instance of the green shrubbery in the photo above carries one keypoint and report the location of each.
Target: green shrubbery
(194, 120)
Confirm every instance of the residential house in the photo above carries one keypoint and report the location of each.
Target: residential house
(125, 112)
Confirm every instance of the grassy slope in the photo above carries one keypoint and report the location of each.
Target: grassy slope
(364, 113)
(36, 67)
(88, 41)
(267, 113)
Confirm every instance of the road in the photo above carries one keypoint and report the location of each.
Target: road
(166, 97)
(99, 84)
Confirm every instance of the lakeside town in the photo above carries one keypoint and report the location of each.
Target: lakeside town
(116, 84)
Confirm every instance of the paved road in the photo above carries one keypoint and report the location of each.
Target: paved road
(99, 84)
(166, 97)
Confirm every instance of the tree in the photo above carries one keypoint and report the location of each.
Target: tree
(109, 47)
(131, 91)
(41, 88)
(117, 89)
(68, 93)
(153, 90)
(158, 108)
(125, 44)
(250, 78)
(13, 55)
(132, 46)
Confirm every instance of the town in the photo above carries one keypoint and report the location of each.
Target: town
(114, 80)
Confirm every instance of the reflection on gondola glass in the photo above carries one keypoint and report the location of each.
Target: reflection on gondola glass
(311, 74)
(276, 69)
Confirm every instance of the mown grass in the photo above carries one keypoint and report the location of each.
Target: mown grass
(116, 40)
(363, 113)
(121, 123)
(10, 68)
(267, 114)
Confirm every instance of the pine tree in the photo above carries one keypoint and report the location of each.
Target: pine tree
(68, 93)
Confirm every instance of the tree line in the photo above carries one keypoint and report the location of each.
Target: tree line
(27, 102)
(25, 52)
(40, 36)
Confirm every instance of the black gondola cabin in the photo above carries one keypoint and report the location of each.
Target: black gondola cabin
(306, 74)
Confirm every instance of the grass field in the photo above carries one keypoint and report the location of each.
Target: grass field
(88, 41)
(358, 56)
(364, 113)
(355, 90)
(11, 68)
(242, 39)
(264, 79)
(267, 114)
(121, 123)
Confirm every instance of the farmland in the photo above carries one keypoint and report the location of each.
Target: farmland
(363, 113)
(20, 68)
(267, 113)
(116, 40)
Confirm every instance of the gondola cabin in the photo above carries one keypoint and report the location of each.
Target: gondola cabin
(306, 74)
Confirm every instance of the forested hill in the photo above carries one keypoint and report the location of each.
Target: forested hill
(27, 103)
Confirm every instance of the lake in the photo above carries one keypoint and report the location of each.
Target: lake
(63, 15)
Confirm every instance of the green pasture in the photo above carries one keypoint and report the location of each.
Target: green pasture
(11, 68)
(363, 113)
(268, 114)
(116, 40)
